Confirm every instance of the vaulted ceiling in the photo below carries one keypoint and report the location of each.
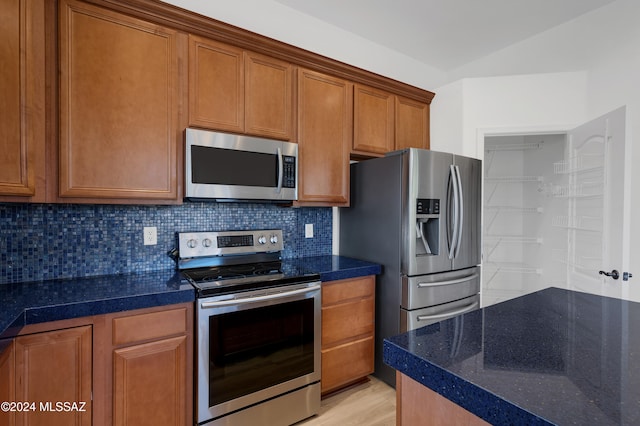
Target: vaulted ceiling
(445, 34)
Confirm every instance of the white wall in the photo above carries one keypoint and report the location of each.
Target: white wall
(447, 118)
(567, 75)
(463, 111)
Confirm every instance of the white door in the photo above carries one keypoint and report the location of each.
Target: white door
(599, 206)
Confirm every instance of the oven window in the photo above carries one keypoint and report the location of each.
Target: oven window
(232, 167)
(257, 348)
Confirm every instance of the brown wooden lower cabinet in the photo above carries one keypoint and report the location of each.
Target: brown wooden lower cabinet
(418, 405)
(348, 315)
(47, 376)
(127, 368)
(149, 383)
(151, 369)
(7, 380)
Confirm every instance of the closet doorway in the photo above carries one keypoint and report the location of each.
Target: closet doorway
(556, 210)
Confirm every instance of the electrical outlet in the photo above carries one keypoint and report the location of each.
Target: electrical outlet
(308, 230)
(150, 235)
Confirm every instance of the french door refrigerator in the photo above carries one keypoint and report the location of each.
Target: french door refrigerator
(417, 213)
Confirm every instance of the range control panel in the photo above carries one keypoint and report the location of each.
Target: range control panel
(199, 244)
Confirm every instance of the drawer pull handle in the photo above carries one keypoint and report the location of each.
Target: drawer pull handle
(449, 314)
(450, 282)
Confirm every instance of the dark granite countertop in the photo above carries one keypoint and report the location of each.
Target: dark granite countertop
(32, 303)
(550, 357)
(332, 268)
(43, 301)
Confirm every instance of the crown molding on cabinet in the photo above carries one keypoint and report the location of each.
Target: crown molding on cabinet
(193, 23)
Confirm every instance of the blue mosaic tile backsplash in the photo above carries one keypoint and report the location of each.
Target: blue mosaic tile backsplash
(51, 241)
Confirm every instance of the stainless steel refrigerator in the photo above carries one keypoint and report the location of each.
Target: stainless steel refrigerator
(417, 213)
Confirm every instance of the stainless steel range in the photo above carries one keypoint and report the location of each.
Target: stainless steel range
(258, 329)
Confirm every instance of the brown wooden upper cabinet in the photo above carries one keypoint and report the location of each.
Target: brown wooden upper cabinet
(384, 122)
(325, 106)
(22, 75)
(119, 106)
(373, 119)
(239, 91)
(412, 124)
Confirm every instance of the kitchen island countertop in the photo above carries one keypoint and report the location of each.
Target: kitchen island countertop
(36, 302)
(551, 357)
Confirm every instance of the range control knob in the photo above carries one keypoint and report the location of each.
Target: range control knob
(262, 239)
(192, 243)
(206, 242)
(274, 239)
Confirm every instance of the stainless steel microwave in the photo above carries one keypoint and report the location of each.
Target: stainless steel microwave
(227, 167)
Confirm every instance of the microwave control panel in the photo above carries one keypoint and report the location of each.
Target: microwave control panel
(288, 171)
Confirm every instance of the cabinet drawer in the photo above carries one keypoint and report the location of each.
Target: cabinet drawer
(348, 320)
(149, 326)
(341, 291)
(346, 363)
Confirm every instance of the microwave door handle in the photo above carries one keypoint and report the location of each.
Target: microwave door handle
(280, 171)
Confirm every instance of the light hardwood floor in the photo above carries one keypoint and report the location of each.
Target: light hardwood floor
(372, 404)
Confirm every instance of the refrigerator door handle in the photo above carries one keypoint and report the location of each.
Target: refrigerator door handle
(449, 314)
(460, 212)
(449, 282)
(455, 214)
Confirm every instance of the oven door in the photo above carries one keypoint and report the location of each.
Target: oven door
(256, 345)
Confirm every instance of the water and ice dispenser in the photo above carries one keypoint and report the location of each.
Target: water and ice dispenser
(428, 226)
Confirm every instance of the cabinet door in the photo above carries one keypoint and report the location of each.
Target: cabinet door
(149, 383)
(119, 99)
(55, 366)
(373, 120)
(269, 96)
(7, 380)
(216, 85)
(324, 137)
(412, 124)
(22, 98)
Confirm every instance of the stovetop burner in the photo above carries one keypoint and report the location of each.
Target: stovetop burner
(216, 273)
(237, 278)
(234, 261)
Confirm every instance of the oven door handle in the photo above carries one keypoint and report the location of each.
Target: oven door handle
(208, 305)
